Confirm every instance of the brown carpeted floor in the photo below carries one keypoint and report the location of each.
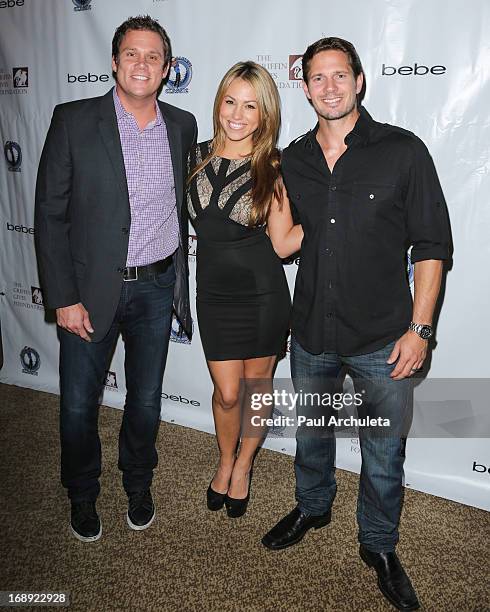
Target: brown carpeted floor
(192, 559)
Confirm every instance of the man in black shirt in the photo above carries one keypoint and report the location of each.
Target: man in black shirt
(364, 193)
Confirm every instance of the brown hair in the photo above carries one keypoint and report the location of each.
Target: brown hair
(141, 22)
(265, 160)
(333, 43)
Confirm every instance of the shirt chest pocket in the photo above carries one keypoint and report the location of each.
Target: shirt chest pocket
(373, 205)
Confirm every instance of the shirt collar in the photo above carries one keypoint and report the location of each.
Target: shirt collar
(360, 133)
(122, 114)
(362, 129)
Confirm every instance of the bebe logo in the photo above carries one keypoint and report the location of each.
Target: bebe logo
(11, 3)
(19, 228)
(481, 469)
(87, 78)
(416, 69)
(180, 399)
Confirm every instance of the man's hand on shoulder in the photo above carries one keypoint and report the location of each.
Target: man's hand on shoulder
(409, 352)
(75, 319)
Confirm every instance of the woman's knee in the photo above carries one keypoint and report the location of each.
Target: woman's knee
(226, 398)
(259, 372)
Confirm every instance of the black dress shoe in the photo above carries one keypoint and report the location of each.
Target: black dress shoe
(85, 523)
(292, 528)
(214, 500)
(141, 510)
(393, 582)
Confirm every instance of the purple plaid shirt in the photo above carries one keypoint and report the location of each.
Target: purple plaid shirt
(154, 232)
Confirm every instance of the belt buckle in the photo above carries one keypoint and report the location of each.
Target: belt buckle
(130, 274)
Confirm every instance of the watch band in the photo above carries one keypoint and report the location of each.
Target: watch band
(423, 330)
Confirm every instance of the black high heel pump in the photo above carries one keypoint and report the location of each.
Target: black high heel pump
(215, 501)
(237, 507)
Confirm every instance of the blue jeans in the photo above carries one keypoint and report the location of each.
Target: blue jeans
(143, 317)
(380, 488)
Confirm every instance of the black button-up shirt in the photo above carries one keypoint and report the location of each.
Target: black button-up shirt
(352, 294)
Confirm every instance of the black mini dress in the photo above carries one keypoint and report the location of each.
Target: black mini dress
(243, 300)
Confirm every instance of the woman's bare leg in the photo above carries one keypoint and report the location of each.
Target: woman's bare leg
(226, 401)
(258, 378)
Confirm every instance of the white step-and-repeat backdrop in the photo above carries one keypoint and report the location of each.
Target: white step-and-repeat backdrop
(427, 67)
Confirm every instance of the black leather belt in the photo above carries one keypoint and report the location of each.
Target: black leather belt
(148, 272)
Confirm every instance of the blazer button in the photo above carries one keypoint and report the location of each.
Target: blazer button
(121, 270)
(125, 230)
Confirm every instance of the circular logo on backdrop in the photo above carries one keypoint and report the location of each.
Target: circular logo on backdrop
(82, 5)
(180, 75)
(192, 246)
(409, 269)
(278, 430)
(30, 360)
(13, 155)
(177, 333)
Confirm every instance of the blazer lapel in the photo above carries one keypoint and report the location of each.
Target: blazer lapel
(112, 142)
(175, 143)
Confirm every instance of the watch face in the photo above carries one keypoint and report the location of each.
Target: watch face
(426, 332)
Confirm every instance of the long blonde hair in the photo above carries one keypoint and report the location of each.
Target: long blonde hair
(265, 160)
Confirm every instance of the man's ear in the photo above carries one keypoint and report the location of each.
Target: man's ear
(305, 89)
(359, 83)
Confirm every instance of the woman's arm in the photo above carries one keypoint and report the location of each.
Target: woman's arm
(286, 237)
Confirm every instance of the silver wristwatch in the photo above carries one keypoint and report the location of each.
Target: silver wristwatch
(424, 331)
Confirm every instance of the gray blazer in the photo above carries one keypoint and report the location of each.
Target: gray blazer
(82, 214)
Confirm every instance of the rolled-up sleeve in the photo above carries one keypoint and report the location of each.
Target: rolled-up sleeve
(427, 215)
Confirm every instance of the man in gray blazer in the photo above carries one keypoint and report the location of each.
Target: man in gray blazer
(111, 237)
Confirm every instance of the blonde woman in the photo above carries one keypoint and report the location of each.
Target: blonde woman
(243, 223)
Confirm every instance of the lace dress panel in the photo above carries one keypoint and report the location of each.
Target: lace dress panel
(240, 212)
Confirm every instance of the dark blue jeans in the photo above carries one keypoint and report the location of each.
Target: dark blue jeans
(143, 317)
(380, 487)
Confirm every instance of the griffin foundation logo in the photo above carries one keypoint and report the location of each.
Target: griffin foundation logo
(177, 333)
(110, 381)
(295, 68)
(14, 81)
(286, 73)
(37, 296)
(20, 77)
(30, 360)
(180, 76)
(29, 297)
(82, 5)
(13, 155)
